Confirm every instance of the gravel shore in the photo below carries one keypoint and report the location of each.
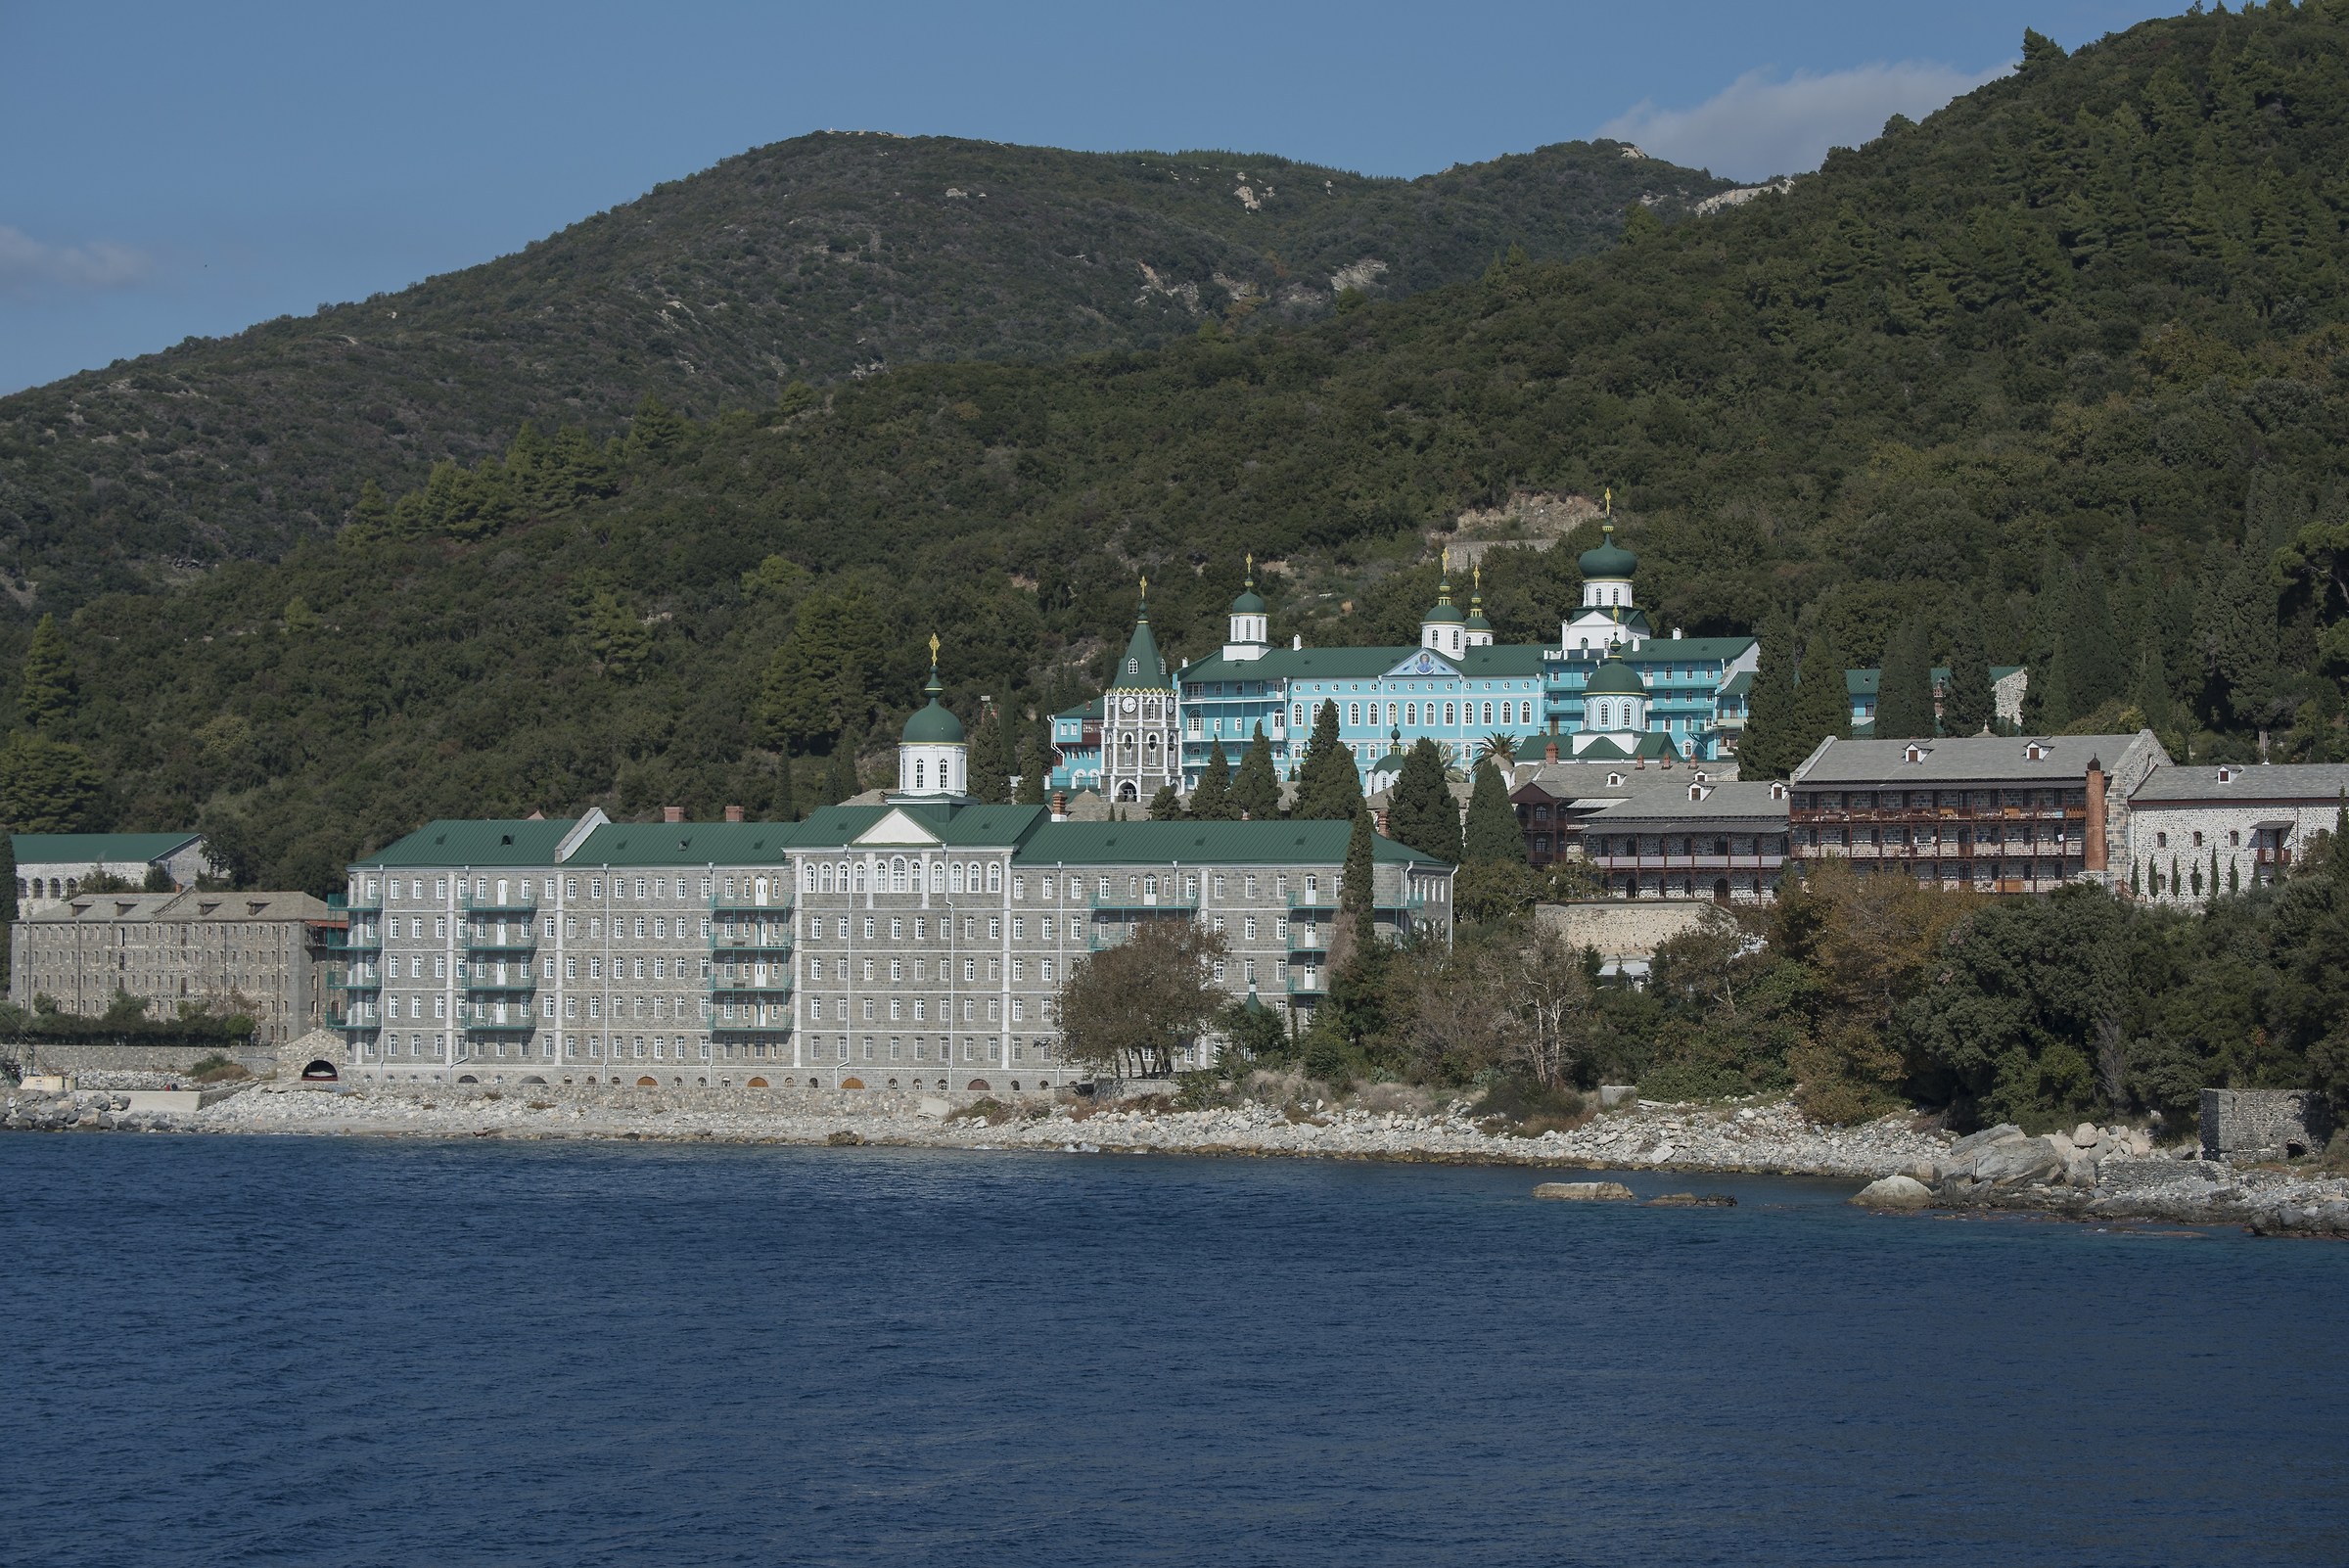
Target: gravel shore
(1767, 1137)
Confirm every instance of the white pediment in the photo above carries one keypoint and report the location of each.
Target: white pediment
(1425, 664)
(895, 827)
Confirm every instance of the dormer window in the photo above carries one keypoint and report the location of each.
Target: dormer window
(1133, 667)
(2035, 753)
(1915, 754)
(2225, 775)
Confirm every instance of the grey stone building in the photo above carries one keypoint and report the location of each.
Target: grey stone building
(920, 941)
(2194, 833)
(1722, 842)
(262, 953)
(52, 867)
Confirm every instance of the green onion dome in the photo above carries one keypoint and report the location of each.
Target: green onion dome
(1609, 560)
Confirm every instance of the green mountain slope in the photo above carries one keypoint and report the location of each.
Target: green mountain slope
(2066, 367)
(829, 255)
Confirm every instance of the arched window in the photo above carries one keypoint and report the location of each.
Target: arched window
(994, 877)
(823, 880)
(897, 875)
(958, 879)
(1354, 713)
(1150, 887)
(1133, 667)
(917, 876)
(946, 773)
(1134, 886)
(859, 877)
(917, 775)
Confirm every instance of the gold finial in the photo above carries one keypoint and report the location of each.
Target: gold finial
(934, 649)
(1446, 559)
(1610, 507)
(1251, 558)
(1476, 577)
(1145, 587)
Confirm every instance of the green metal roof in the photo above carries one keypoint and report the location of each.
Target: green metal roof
(1083, 711)
(453, 842)
(1680, 650)
(1361, 664)
(957, 826)
(1741, 684)
(1615, 678)
(1143, 668)
(89, 849)
(1205, 843)
(932, 725)
(686, 844)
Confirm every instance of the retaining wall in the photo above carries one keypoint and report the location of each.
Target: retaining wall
(55, 1056)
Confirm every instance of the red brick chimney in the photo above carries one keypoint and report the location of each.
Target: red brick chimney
(733, 813)
(673, 814)
(1549, 751)
(1060, 805)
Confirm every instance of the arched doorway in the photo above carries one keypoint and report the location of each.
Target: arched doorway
(979, 1084)
(756, 1083)
(1721, 890)
(648, 1083)
(851, 1082)
(320, 1071)
(1125, 791)
(534, 1078)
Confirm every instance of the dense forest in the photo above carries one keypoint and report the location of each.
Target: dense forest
(2059, 372)
(826, 256)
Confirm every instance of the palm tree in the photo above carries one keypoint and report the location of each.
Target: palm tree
(1497, 748)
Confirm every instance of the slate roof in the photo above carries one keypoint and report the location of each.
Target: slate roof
(91, 849)
(1976, 759)
(2301, 783)
(1206, 844)
(1744, 806)
(92, 909)
(686, 844)
(1500, 660)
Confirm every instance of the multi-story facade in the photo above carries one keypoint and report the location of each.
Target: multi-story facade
(51, 866)
(1608, 690)
(1554, 796)
(2194, 833)
(1991, 813)
(1723, 841)
(1139, 752)
(920, 941)
(265, 954)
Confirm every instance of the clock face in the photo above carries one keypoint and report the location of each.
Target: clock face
(1130, 705)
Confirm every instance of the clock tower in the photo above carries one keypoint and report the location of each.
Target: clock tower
(1140, 748)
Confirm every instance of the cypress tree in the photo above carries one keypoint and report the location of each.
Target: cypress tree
(1166, 805)
(1256, 788)
(1904, 686)
(1421, 813)
(990, 760)
(2086, 671)
(46, 695)
(784, 806)
(1212, 801)
(1969, 703)
(2045, 705)
(1822, 700)
(840, 779)
(1032, 772)
(1493, 834)
(1763, 744)
(1328, 788)
(1354, 884)
(8, 900)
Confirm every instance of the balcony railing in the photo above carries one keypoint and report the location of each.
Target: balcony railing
(1173, 898)
(1310, 938)
(1309, 984)
(1688, 862)
(370, 939)
(739, 1027)
(356, 982)
(525, 940)
(1837, 815)
(344, 900)
(1315, 900)
(722, 904)
(521, 903)
(476, 979)
(779, 941)
(776, 986)
(481, 1026)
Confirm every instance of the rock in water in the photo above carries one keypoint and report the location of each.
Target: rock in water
(1693, 1200)
(1584, 1191)
(1894, 1192)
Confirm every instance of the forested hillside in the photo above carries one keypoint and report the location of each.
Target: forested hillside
(2062, 369)
(828, 255)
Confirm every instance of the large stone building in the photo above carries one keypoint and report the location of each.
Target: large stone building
(918, 941)
(2195, 832)
(51, 866)
(1722, 842)
(267, 955)
(1996, 814)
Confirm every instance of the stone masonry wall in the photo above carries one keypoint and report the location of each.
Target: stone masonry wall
(1625, 928)
(51, 1056)
(2263, 1124)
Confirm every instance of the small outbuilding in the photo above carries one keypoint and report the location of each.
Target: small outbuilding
(2264, 1124)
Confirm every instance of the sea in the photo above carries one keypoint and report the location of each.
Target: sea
(354, 1351)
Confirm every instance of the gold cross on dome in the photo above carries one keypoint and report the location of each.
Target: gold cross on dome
(933, 647)
(1476, 575)
(1252, 562)
(1145, 587)
(1610, 508)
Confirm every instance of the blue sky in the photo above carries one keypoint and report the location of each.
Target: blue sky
(178, 169)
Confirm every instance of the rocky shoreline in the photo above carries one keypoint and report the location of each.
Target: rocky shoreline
(2092, 1173)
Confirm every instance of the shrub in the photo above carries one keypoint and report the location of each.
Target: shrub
(1524, 1109)
(216, 1069)
(990, 1111)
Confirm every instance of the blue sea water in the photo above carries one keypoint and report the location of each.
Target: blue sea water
(320, 1351)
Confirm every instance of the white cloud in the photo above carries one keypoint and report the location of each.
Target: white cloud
(1759, 125)
(26, 261)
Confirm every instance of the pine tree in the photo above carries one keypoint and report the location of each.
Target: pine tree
(1968, 703)
(1032, 772)
(1212, 801)
(656, 436)
(8, 900)
(1495, 836)
(46, 786)
(1421, 813)
(1166, 805)
(1256, 788)
(1328, 788)
(1354, 890)
(371, 517)
(2088, 669)
(1823, 699)
(1904, 686)
(47, 694)
(840, 778)
(615, 636)
(1764, 745)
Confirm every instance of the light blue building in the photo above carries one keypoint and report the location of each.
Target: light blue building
(1609, 690)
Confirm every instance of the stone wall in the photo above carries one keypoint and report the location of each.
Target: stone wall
(1625, 928)
(52, 1056)
(782, 1101)
(2263, 1124)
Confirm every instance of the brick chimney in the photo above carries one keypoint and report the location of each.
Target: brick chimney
(673, 814)
(733, 813)
(2092, 837)
(1060, 805)
(1549, 751)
